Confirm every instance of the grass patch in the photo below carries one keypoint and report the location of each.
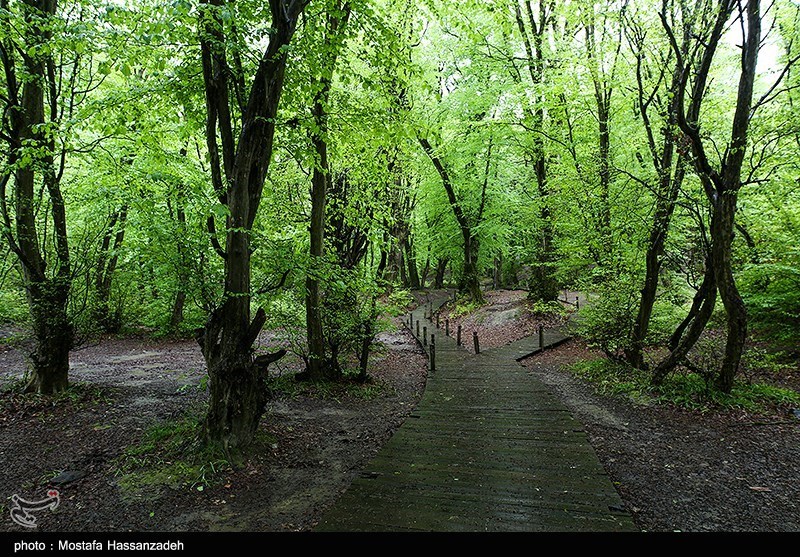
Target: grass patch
(77, 395)
(687, 390)
(464, 306)
(551, 308)
(170, 455)
(288, 386)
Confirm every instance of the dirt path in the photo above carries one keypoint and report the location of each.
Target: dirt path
(675, 469)
(316, 448)
(683, 470)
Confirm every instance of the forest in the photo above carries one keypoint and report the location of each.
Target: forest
(269, 188)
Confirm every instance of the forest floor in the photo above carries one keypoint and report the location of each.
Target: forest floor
(676, 469)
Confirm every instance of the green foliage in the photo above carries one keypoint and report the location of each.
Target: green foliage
(288, 386)
(464, 306)
(769, 362)
(398, 302)
(12, 307)
(771, 292)
(171, 455)
(455, 74)
(688, 390)
(607, 322)
(550, 308)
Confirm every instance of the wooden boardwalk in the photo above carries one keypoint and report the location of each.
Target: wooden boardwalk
(488, 448)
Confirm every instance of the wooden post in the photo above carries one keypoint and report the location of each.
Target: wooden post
(577, 303)
(417, 328)
(458, 336)
(433, 352)
(446, 326)
(411, 321)
(475, 342)
(541, 337)
(424, 336)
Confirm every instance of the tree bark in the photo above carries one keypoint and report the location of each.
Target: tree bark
(670, 175)
(107, 264)
(542, 284)
(722, 185)
(53, 332)
(722, 240)
(317, 362)
(47, 283)
(705, 298)
(469, 282)
(411, 262)
(441, 267)
(236, 378)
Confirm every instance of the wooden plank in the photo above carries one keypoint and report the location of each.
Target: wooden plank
(488, 448)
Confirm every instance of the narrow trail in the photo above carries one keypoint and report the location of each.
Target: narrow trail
(488, 448)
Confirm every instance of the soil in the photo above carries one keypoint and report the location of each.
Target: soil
(314, 446)
(675, 469)
(507, 316)
(682, 470)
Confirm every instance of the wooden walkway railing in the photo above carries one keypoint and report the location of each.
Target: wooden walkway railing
(488, 448)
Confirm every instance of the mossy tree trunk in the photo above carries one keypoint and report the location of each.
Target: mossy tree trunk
(236, 376)
(33, 112)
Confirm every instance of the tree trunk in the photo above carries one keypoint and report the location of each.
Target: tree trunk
(53, 333)
(603, 115)
(47, 283)
(707, 297)
(542, 284)
(469, 283)
(400, 265)
(441, 267)
(176, 315)
(380, 272)
(317, 361)
(316, 339)
(236, 377)
(425, 269)
(411, 261)
(722, 239)
(107, 264)
(470, 279)
(665, 206)
(497, 274)
(721, 186)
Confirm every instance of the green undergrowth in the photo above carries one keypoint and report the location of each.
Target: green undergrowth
(462, 307)
(171, 455)
(687, 390)
(550, 308)
(288, 386)
(77, 395)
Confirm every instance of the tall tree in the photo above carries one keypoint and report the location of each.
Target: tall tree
(238, 170)
(336, 22)
(656, 103)
(469, 283)
(533, 28)
(722, 182)
(602, 35)
(45, 80)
